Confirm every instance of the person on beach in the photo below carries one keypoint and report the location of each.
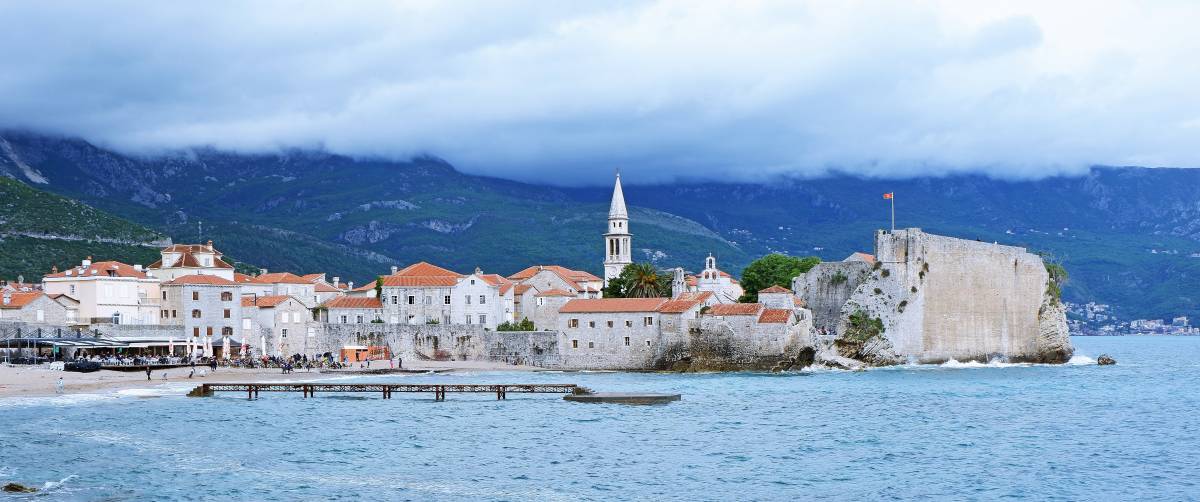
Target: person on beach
(147, 372)
(58, 387)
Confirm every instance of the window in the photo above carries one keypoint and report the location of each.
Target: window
(482, 318)
(411, 318)
(164, 293)
(472, 282)
(647, 343)
(195, 295)
(446, 300)
(359, 318)
(628, 324)
(648, 321)
(626, 341)
(73, 291)
(395, 300)
(540, 301)
(173, 314)
(227, 313)
(343, 319)
(574, 344)
(283, 333)
(41, 315)
(226, 331)
(610, 324)
(591, 345)
(195, 313)
(412, 300)
(428, 300)
(468, 317)
(226, 296)
(195, 331)
(208, 331)
(468, 302)
(591, 324)
(573, 323)
(482, 299)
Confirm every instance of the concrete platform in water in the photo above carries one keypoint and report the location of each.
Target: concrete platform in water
(623, 398)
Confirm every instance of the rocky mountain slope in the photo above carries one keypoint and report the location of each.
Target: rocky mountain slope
(1125, 234)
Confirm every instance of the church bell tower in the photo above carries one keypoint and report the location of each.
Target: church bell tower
(617, 240)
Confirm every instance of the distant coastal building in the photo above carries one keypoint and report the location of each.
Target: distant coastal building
(617, 241)
(191, 259)
(210, 310)
(34, 307)
(276, 325)
(108, 292)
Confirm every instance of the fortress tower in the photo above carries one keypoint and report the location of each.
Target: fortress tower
(617, 240)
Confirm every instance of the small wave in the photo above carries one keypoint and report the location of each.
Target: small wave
(1078, 360)
(55, 401)
(51, 486)
(995, 363)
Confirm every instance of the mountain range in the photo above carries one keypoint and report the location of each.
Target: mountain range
(1129, 236)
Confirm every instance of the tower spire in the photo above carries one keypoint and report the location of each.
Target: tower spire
(617, 208)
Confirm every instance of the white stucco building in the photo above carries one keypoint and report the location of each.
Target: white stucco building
(108, 292)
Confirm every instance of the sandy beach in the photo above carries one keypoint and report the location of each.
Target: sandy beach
(42, 381)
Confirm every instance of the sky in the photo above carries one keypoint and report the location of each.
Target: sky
(568, 92)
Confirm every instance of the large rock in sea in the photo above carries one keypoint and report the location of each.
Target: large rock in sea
(930, 298)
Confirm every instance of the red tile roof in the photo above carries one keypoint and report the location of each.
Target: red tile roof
(725, 309)
(600, 305)
(681, 304)
(860, 256)
(572, 275)
(211, 280)
(522, 288)
(422, 281)
(555, 292)
(321, 287)
(240, 277)
(191, 248)
(280, 278)
(102, 269)
(775, 316)
(352, 302)
(312, 277)
(775, 289)
(19, 300)
(264, 301)
(425, 269)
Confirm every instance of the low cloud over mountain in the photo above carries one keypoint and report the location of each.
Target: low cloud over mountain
(566, 93)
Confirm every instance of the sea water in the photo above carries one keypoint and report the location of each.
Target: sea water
(955, 431)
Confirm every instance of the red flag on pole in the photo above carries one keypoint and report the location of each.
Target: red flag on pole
(887, 195)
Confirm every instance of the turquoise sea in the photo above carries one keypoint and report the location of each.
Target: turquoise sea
(1071, 432)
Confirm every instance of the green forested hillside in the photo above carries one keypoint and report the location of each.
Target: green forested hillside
(39, 230)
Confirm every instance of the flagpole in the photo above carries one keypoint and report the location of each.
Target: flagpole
(892, 199)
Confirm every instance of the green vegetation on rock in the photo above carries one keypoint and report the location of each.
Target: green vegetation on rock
(862, 327)
(522, 325)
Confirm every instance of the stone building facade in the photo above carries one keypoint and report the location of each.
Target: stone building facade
(210, 310)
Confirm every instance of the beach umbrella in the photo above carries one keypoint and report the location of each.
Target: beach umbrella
(170, 346)
(225, 346)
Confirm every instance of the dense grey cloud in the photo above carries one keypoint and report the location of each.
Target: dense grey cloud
(567, 92)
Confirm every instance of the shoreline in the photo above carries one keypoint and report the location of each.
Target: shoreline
(41, 381)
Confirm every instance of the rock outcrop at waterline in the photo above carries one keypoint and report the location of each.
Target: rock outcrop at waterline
(930, 299)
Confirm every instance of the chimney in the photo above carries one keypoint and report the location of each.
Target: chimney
(7, 297)
(54, 269)
(210, 248)
(262, 271)
(87, 262)
(137, 267)
(478, 271)
(350, 285)
(337, 281)
(395, 269)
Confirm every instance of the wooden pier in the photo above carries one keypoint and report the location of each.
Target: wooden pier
(383, 389)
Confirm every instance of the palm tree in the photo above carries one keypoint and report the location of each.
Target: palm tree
(644, 281)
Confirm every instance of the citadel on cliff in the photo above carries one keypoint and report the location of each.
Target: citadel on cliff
(919, 298)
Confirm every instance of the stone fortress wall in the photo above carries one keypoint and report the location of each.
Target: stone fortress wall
(942, 298)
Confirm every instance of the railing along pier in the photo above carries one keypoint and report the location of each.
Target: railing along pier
(383, 389)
